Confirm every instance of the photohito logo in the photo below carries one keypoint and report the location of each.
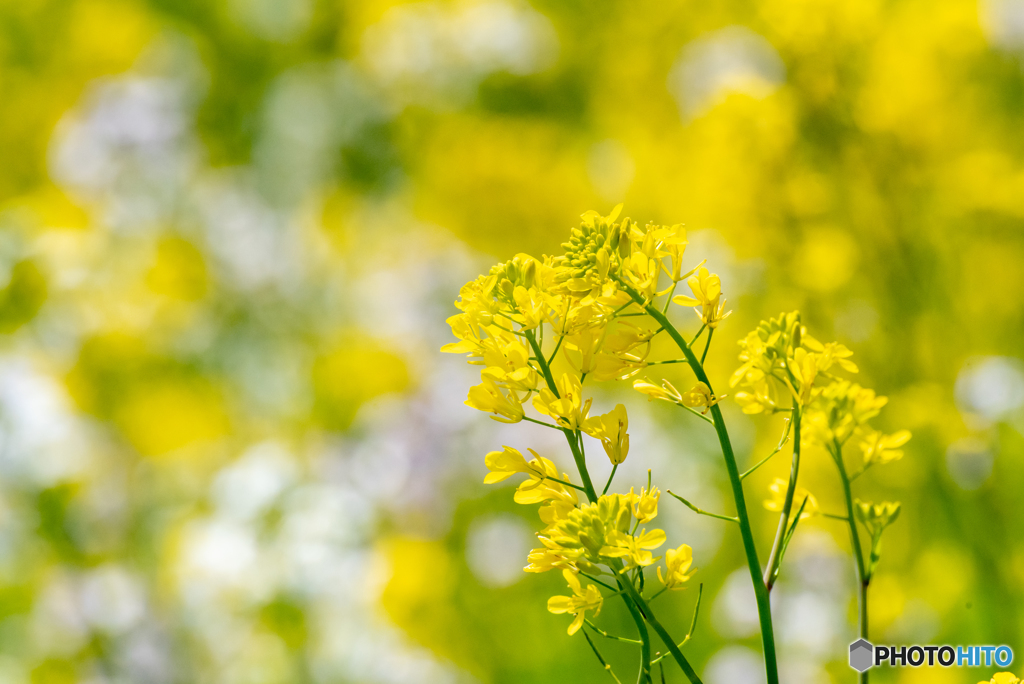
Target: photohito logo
(864, 655)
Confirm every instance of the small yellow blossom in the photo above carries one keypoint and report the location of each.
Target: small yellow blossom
(504, 464)
(700, 395)
(665, 390)
(611, 428)
(634, 548)
(581, 601)
(677, 564)
(642, 272)
(777, 498)
(804, 367)
(490, 397)
(1002, 678)
(757, 398)
(645, 504)
(569, 410)
(881, 449)
(581, 349)
(552, 556)
(876, 517)
(707, 294)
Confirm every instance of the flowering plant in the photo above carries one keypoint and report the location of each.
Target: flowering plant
(541, 328)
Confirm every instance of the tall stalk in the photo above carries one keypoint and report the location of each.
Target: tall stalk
(775, 557)
(754, 565)
(863, 579)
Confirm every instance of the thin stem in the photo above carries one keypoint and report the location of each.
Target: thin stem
(641, 626)
(693, 624)
(610, 478)
(696, 413)
(605, 665)
(594, 579)
(570, 435)
(711, 333)
(659, 363)
(833, 516)
(785, 542)
(746, 533)
(701, 511)
(858, 555)
(695, 337)
(606, 635)
(668, 300)
(680, 659)
(541, 422)
(782, 443)
(566, 483)
(557, 347)
(775, 558)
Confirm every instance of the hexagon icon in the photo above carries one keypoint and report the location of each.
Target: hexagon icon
(861, 655)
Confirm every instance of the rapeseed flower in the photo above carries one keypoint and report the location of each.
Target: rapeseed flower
(677, 565)
(583, 599)
(611, 429)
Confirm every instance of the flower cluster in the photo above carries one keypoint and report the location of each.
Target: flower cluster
(782, 364)
(589, 302)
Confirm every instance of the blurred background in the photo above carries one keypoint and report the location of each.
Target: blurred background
(230, 234)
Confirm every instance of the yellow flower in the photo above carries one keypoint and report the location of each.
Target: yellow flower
(581, 601)
(569, 410)
(504, 464)
(583, 532)
(672, 243)
(581, 349)
(777, 500)
(633, 548)
(530, 307)
(879, 448)
(804, 367)
(840, 409)
(876, 517)
(1002, 678)
(677, 563)
(707, 294)
(700, 395)
(645, 504)
(490, 397)
(757, 398)
(831, 353)
(611, 428)
(542, 486)
(642, 272)
(664, 391)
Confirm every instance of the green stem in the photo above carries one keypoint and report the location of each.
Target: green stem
(600, 658)
(697, 336)
(693, 625)
(858, 555)
(782, 443)
(775, 558)
(570, 435)
(700, 511)
(541, 422)
(610, 478)
(746, 533)
(711, 333)
(680, 659)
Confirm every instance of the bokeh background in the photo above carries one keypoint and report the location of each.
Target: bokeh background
(230, 233)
